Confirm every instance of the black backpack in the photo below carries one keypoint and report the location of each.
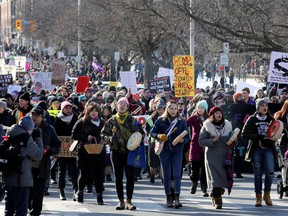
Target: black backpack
(10, 154)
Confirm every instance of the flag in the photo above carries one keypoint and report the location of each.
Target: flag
(97, 67)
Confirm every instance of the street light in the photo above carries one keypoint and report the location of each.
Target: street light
(79, 36)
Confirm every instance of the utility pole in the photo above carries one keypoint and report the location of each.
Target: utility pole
(192, 31)
(79, 36)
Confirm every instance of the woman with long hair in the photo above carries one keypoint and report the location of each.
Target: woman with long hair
(262, 151)
(166, 129)
(91, 166)
(196, 152)
(214, 135)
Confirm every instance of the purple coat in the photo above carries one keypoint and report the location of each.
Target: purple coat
(196, 152)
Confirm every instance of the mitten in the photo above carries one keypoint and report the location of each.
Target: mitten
(46, 150)
(162, 137)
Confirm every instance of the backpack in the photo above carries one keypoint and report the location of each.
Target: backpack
(10, 153)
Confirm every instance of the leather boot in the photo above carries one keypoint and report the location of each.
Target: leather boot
(121, 205)
(62, 194)
(169, 201)
(129, 205)
(267, 198)
(258, 200)
(218, 202)
(100, 199)
(177, 201)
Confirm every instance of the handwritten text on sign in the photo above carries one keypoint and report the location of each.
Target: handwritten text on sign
(66, 142)
(184, 75)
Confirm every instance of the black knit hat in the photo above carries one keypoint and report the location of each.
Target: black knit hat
(25, 96)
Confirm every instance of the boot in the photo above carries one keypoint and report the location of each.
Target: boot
(177, 201)
(258, 200)
(129, 205)
(80, 196)
(62, 194)
(152, 178)
(100, 199)
(194, 187)
(89, 188)
(169, 201)
(267, 198)
(121, 205)
(218, 202)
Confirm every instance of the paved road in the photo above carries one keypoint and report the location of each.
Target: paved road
(150, 201)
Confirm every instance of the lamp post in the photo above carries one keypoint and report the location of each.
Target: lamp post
(192, 51)
(79, 35)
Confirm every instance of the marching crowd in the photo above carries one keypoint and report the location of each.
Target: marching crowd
(105, 116)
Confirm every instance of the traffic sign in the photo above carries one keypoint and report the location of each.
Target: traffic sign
(224, 59)
(226, 47)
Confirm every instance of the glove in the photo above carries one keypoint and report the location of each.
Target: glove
(36, 133)
(162, 137)
(46, 150)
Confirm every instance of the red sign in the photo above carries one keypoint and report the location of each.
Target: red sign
(82, 83)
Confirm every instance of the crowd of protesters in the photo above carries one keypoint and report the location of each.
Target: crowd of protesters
(104, 114)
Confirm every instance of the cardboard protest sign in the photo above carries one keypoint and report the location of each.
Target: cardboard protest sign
(20, 62)
(128, 79)
(82, 83)
(184, 75)
(278, 68)
(159, 84)
(58, 75)
(66, 142)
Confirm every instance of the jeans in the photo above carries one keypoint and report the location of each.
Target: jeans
(71, 164)
(16, 201)
(263, 160)
(119, 163)
(174, 159)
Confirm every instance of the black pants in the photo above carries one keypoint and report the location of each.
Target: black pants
(16, 200)
(69, 163)
(36, 193)
(119, 163)
(198, 172)
(90, 175)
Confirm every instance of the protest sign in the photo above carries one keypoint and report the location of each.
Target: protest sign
(42, 80)
(183, 75)
(5, 80)
(66, 142)
(20, 62)
(142, 120)
(253, 88)
(278, 68)
(9, 69)
(12, 88)
(162, 72)
(58, 75)
(128, 79)
(159, 84)
(82, 83)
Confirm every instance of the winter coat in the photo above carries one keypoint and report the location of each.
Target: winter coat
(20, 112)
(64, 129)
(33, 151)
(51, 140)
(215, 152)
(160, 127)
(119, 138)
(80, 132)
(6, 118)
(196, 151)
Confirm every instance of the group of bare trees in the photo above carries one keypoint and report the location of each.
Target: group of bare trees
(156, 30)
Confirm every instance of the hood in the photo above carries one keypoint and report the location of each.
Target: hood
(15, 130)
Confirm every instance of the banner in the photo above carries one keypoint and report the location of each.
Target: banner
(42, 80)
(278, 68)
(184, 76)
(5, 80)
(128, 79)
(20, 62)
(66, 142)
(159, 84)
(58, 76)
(82, 83)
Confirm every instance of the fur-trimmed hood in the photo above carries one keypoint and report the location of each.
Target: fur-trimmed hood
(210, 128)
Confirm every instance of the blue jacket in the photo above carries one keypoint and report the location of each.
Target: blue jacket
(161, 126)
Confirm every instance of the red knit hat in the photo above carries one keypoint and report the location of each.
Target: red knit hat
(214, 109)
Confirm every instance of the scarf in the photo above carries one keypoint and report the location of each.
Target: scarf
(96, 122)
(261, 118)
(65, 118)
(120, 118)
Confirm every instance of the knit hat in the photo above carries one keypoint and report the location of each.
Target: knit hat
(27, 123)
(81, 98)
(25, 96)
(123, 99)
(120, 94)
(218, 95)
(112, 88)
(38, 110)
(214, 109)
(8, 96)
(42, 104)
(54, 99)
(203, 103)
(236, 96)
(160, 104)
(261, 101)
(64, 104)
(3, 104)
(284, 91)
(110, 98)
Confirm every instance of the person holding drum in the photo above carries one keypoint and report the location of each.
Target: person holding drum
(91, 166)
(261, 151)
(196, 152)
(116, 132)
(166, 129)
(214, 135)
